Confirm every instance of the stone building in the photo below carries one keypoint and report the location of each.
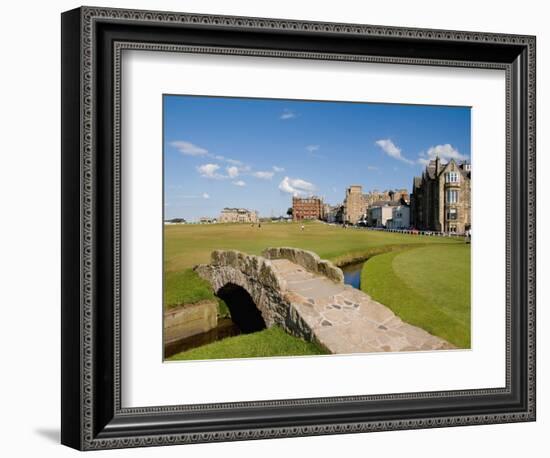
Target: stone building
(400, 195)
(397, 195)
(238, 215)
(440, 200)
(357, 203)
(307, 208)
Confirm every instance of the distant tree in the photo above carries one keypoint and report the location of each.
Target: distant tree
(289, 211)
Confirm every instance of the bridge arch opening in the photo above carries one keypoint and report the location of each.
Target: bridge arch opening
(244, 312)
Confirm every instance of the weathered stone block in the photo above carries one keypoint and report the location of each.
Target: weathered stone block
(191, 319)
(308, 260)
(328, 269)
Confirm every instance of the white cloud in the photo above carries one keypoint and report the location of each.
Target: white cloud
(239, 183)
(209, 171)
(263, 175)
(296, 186)
(312, 148)
(221, 158)
(189, 149)
(194, 196)
(392, 150)
(232, 172)
(278, 169)
(231, 161)
(287, 114)
(445, 152)
(372, 167)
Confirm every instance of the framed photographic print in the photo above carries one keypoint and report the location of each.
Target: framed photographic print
(278, 228)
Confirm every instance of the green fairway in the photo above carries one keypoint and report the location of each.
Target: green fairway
(425, 280)
(269, 342)
(427, 286)
(186, 245)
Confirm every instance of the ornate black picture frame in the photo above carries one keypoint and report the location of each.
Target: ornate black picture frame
(92, 42)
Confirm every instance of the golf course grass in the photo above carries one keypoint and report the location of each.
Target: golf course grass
(186, 245)
(269, 342)
(435, 302)
(427, 286)
(186, 287)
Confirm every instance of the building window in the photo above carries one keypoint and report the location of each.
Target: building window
(452, 196)
(452, 214)
(452, 177)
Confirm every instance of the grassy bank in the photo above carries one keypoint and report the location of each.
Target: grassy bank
(186, 287)
(269, 342)
(427, 286)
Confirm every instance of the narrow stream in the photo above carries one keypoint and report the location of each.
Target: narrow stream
(352, 274)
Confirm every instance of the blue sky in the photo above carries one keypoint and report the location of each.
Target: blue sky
(258, 153)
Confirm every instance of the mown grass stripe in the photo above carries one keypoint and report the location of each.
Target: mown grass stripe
(407, 287)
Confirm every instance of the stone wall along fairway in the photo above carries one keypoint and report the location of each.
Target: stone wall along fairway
(259, 278)
(188, 320)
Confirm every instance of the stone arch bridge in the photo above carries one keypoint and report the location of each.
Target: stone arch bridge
(307, 297)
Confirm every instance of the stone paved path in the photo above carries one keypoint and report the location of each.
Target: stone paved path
(345, 319)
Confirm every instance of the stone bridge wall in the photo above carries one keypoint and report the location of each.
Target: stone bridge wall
(291, 289)
(256, 275)
(308, 260)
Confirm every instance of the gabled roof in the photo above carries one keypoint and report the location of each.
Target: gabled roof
(447, 165)
(460, 168)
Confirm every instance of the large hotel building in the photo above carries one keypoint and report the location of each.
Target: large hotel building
(440, 200)
(307, 208)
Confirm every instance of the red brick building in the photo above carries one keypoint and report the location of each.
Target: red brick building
(307, 208)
